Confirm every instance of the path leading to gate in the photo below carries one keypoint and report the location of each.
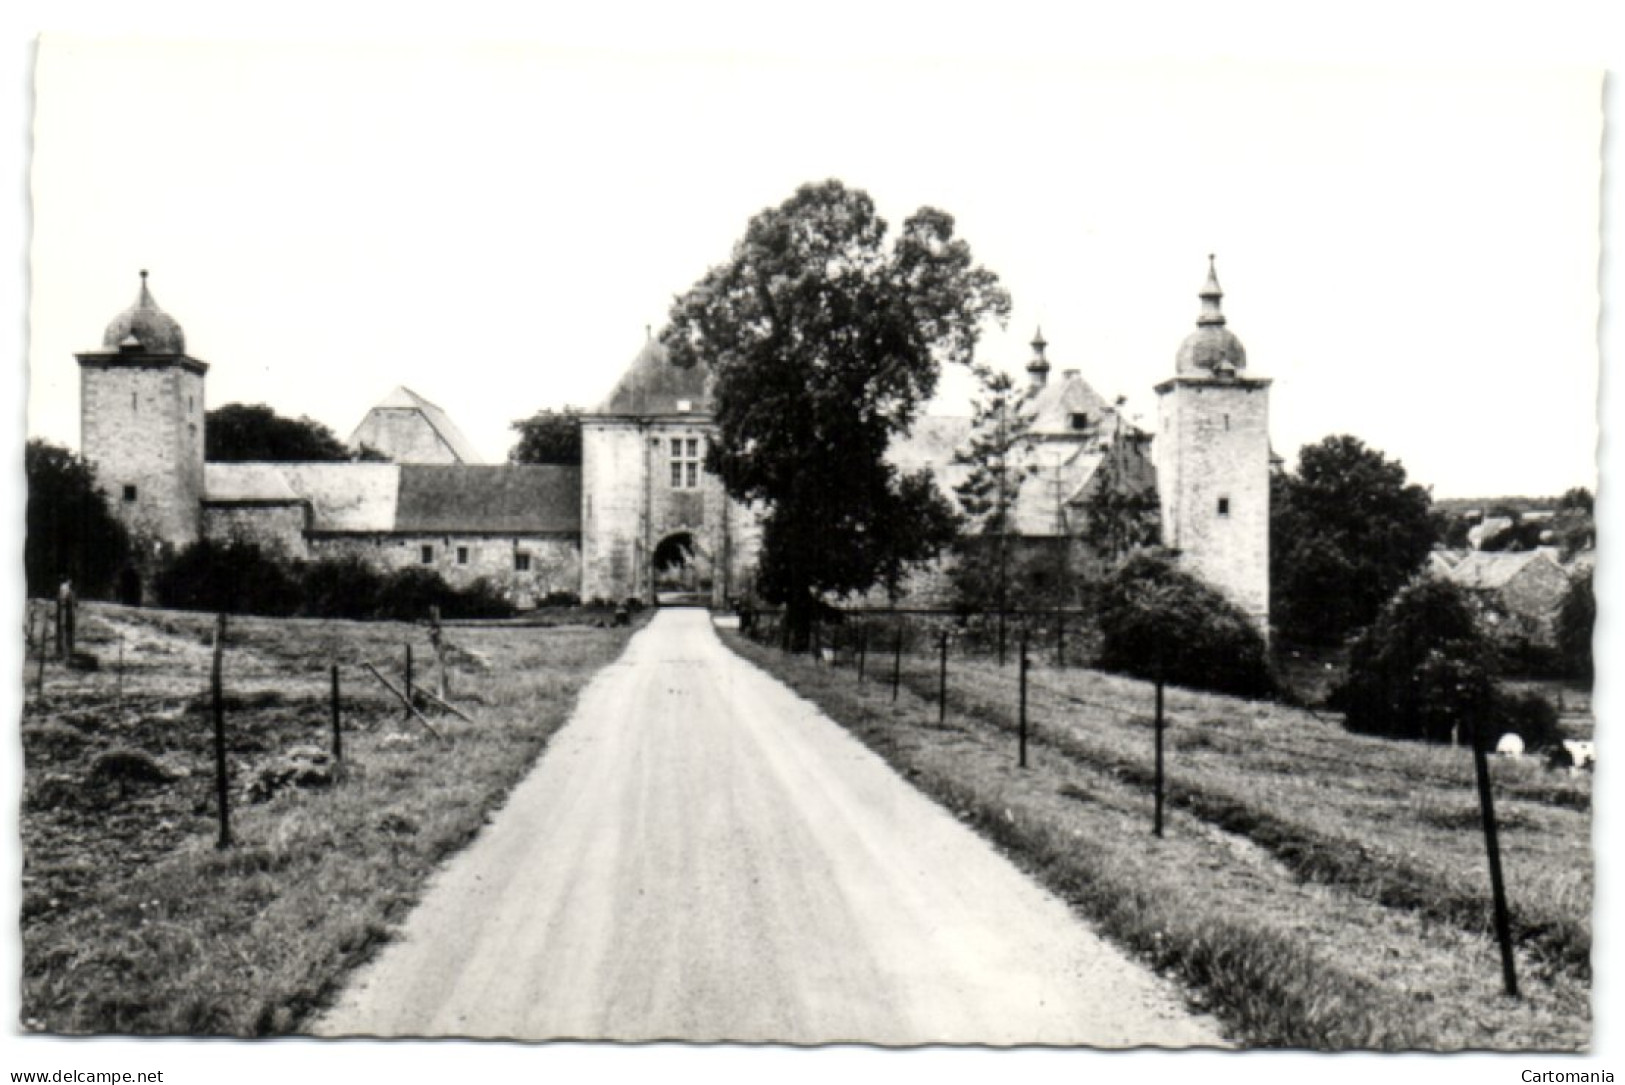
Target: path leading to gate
(702, 855)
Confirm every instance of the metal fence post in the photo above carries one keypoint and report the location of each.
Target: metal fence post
(1156, 826)
(942, 682)
(1503, 926)
(338, 734)
(1023, 664)
(218, 700)
(406, 714)
(897, 664)
(863, 649)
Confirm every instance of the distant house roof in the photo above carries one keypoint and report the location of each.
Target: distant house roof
(651, 385)
(409, 429)
(514, 499)
(1490, 571)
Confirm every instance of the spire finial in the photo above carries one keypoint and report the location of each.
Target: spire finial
(1039, 344)
(1211, 295)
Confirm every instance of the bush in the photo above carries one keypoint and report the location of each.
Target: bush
(233, 577)
(406, 595)
(345, 587)
(1158, 622)
(1423, 670)
(560, 599)
(1528, 715)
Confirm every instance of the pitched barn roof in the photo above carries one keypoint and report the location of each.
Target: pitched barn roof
(1055, 404)
(651, 385)
(372, 431)
(513, 499)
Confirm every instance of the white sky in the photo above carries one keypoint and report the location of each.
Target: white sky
(1410, 252)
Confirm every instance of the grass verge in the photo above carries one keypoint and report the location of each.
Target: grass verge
(134, 922)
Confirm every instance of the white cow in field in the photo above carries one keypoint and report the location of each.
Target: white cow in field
(1574, 755)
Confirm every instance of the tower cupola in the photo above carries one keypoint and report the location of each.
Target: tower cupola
(1212, 349)
(144, 326)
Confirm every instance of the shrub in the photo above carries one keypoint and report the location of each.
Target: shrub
(1158, 622)
(1424, 669)
(343, 587)
(560, 599)
(234, 577)
(1528, 715)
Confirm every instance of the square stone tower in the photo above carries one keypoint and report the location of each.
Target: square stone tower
(1213, 462)
(141, 426)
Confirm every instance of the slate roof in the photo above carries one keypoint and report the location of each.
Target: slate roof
(1055, 404)
(411, 499)
(508, 499)
(404, 399)
(651, 385)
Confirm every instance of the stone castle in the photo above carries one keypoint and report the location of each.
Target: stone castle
(640, 517)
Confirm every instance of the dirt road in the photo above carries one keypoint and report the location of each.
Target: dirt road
(701, 855)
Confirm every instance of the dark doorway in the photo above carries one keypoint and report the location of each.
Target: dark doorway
(682, 571)
(129, 587)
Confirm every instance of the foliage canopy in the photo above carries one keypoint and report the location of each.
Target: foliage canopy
(824, 339)
(71, 531)
(1346, 532)
(548, 436)
(239, 432)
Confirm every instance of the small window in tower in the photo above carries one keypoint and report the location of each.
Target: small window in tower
(521, 561)
(462, 555)
(1224, 506)
(190, 407)
(426, 554)
(1080, 420)
(129, 491)
(1227, 423)
(132, 402)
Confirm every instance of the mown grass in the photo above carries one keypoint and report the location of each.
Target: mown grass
(252, 939)
(1395, 822)
(1281, 958)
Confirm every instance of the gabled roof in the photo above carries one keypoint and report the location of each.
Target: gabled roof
(1052, 408)
(651, 385)
(515, 499)
(403, 399)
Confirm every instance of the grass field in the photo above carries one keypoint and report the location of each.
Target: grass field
(1313, 888)
(134, 922)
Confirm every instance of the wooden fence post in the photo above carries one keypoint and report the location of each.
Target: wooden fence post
(119, 675)
(220, 733)
(1156, 824)
(897, 664)
(338, 734)
(1060, 638)
(437, 639)
(39, 675)
(1503, 926)
(407, 714)
(1022, 666)
(942, 682)
(61, 641)
(863, 648)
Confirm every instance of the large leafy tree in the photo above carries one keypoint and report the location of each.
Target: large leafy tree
(548, 436)
(825, 337)
(997, 455)
(1346, 532)
(71, 532)
(240, 432)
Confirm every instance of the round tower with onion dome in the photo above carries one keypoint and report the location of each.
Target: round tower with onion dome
(1213, 461)
(141, 425)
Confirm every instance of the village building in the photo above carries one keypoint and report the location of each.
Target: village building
(640, 517)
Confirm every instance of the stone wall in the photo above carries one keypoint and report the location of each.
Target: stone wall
(554, 560)
(141, 425)
(1212, 454)
(278, 530)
